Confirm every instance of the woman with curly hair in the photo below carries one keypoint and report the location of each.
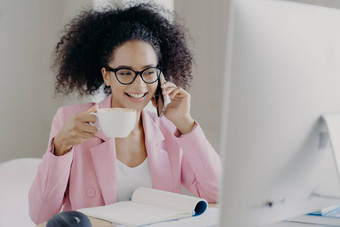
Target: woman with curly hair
(84, 168)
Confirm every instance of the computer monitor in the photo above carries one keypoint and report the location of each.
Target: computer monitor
(282, 74)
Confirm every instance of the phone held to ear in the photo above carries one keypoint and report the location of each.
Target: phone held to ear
(161, 100)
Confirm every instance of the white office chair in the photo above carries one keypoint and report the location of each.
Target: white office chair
(16, 177)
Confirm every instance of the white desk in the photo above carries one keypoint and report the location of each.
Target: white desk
(211, 217)
(208, 219)
(309, 220)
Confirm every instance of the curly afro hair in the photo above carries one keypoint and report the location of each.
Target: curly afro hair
(89, 41)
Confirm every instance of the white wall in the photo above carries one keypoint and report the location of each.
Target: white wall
(206, 21)
(28, 33)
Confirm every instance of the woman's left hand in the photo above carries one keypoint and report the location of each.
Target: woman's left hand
(178, 111)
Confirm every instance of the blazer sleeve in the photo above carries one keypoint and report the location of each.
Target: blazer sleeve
(47, 193)
(201, 165)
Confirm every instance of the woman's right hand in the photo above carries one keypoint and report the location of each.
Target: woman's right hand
(75, 131)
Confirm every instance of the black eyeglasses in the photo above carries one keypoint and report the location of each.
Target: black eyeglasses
(127, 76)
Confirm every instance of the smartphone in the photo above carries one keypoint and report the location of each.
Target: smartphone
(161, 100)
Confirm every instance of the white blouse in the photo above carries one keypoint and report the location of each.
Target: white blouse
(130, 178)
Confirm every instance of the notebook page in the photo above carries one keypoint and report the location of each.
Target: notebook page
(133, 214)
(173, 201)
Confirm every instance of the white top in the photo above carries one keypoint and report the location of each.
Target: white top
(129, 179)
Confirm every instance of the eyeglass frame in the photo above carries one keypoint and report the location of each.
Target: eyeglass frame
(115, 70)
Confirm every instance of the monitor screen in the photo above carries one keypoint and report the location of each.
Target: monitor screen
(282, 74)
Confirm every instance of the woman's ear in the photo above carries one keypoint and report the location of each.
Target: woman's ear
(106, 76)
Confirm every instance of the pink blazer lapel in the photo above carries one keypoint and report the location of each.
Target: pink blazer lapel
(159, 161)
(104, 162)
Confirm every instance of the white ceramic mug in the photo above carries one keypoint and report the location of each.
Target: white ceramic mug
(115, 122)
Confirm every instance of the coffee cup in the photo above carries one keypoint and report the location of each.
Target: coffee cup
(115, 122)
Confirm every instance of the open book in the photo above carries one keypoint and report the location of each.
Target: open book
(149, 206)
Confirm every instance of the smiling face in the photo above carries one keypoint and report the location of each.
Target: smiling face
(136, 55)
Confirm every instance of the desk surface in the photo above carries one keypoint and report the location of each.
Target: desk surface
(308, 220)
(210, 217)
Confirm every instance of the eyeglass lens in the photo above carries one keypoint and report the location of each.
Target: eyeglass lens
(126, 75)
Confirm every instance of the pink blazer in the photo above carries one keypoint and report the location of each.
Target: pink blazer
(86, 176)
